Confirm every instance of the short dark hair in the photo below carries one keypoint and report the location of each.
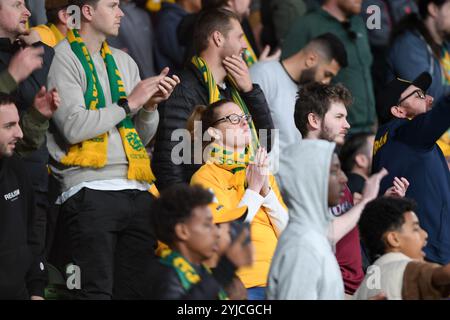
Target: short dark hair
(213, 4)
(380, 216)
(175, 206)
(317, 98)
(81, 3)
(209, 21)
(52, 15)
(6, 98)
(331, 47)
(353, 145)
(423, 6)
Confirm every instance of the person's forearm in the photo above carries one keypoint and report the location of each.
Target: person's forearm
(81, 124)
(146, 124)
(346, 222)
(277, 213)
(253, 201)
(441, 277)
(7, 82)
(34, 126)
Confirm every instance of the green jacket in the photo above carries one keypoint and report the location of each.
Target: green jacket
(34, 125)
(284, 14)
(7, 82)
(357, 75)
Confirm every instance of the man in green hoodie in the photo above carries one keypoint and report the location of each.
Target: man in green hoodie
(341, 17)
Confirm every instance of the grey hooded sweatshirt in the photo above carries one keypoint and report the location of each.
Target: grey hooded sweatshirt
(304, 265)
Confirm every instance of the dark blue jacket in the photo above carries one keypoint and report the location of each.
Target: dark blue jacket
(168, 50)
(407, 148)
(409, 56)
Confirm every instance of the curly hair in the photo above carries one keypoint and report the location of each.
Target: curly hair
(317, 98)
(175, 206)
(380, 216)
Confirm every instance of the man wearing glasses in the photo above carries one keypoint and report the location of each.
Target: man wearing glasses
(406, 147)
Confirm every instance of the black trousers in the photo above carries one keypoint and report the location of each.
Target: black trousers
(111, 239)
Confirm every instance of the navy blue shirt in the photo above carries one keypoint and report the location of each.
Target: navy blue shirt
(407, 148)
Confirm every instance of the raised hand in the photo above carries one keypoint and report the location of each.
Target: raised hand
(151, 91)
(237, 69)
(257, 173)
(372, 186)
(264, 169)
(30, 37)
(166, 86)
(398, 189)
(265, 54)
(241, 251)
(46, 102)
(25, 62)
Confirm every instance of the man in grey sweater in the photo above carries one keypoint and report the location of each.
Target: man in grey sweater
(106, 205)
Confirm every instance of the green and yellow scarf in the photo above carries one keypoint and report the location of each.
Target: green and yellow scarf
(249, 55)
(185, 271)
(93, 152)
(214, 95)
(234, 162)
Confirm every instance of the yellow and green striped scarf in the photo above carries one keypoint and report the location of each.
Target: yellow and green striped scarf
(214, 96)
(232, 161)
(249, 55)
(93, 152)
(185, 271)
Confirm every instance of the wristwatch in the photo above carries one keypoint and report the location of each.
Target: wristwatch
(123, 103)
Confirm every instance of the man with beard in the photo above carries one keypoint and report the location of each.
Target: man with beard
(319, 61)
(341, 17)
(16, 42)
(23, 274)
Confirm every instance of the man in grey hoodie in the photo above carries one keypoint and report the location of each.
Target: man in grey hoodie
(313, 181)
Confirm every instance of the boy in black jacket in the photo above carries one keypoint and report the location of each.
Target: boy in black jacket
(183, 220)
(22, 267)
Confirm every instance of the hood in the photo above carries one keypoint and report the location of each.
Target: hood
(303, 178)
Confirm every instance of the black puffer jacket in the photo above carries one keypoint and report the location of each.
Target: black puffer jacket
(176, 110)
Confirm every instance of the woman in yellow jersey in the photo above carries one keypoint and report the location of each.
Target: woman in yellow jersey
(236, 181)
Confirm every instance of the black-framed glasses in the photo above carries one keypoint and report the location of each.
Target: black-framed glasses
(234, 118)
(419, 92)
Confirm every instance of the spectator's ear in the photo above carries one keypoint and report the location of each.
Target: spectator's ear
(392, 240)
(182, 232)
(433, 9)
(361, 160)
(87, 11)
(217, 38)
(312, 59)
(398, 112)
(314, 121)
(214, 133)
